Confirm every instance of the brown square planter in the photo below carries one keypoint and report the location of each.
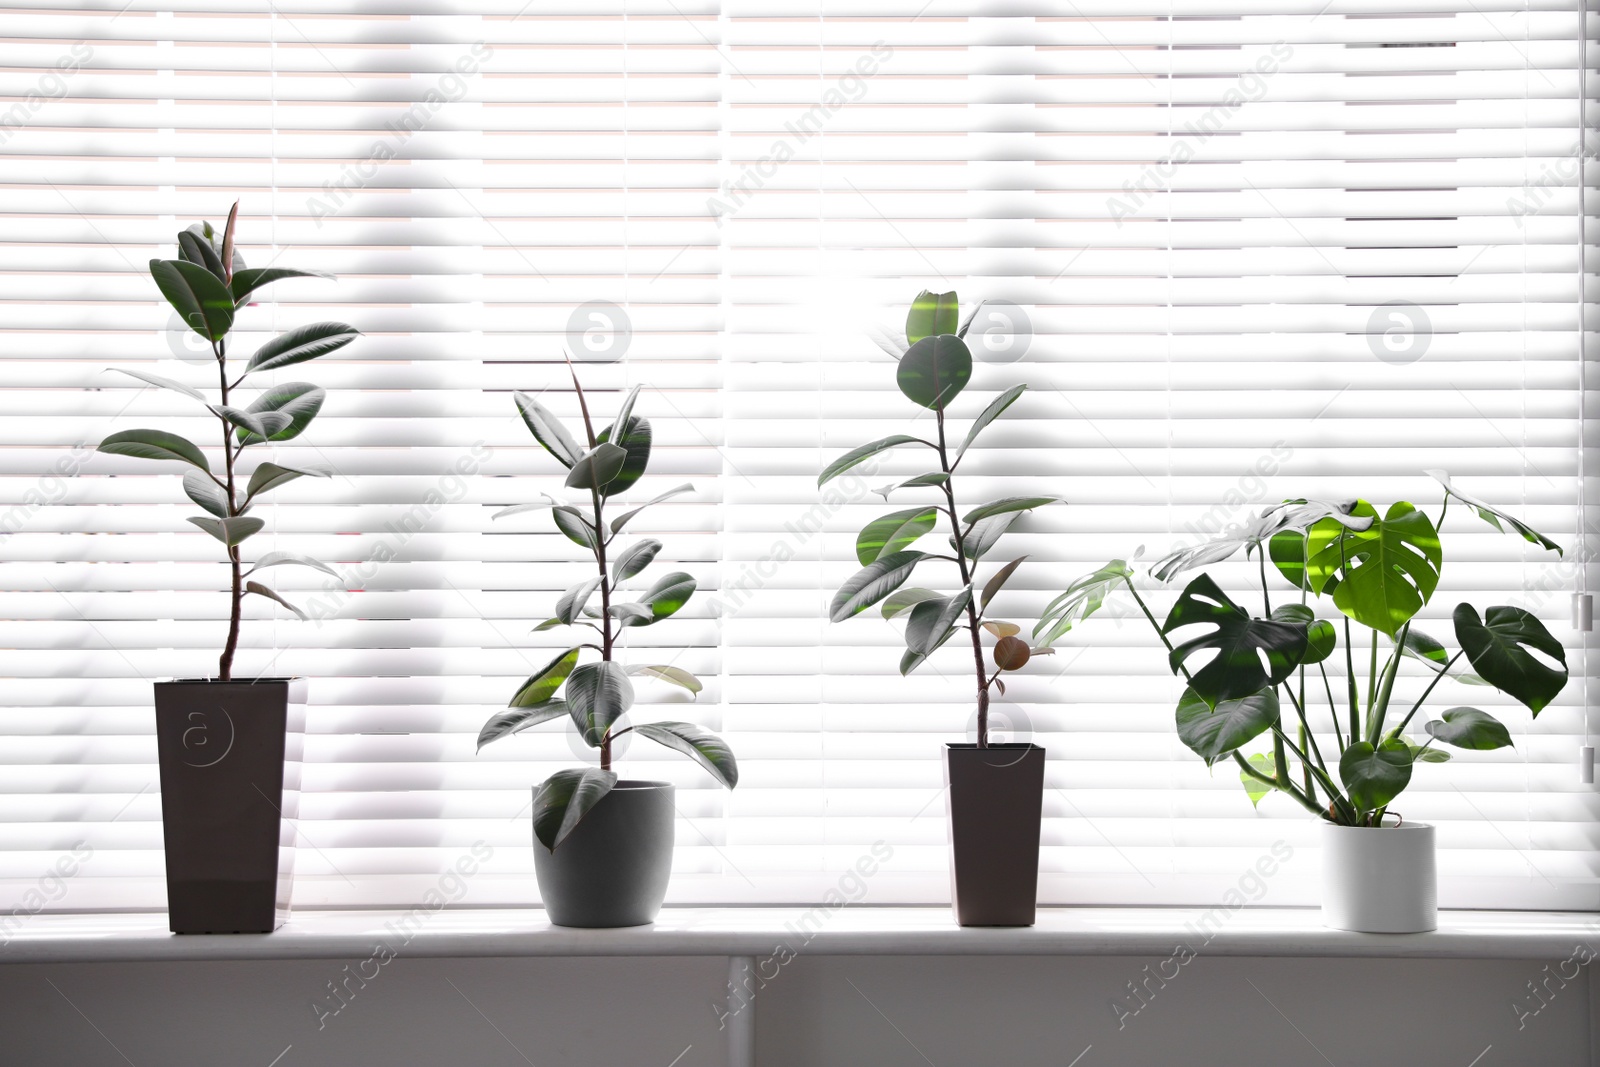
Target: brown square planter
(996, 801)
(230, 792)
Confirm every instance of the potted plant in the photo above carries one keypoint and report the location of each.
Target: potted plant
(229, 748)
(995, 792)
(603, 845)
(1379, 572)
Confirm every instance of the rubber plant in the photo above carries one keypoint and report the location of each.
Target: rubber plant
(207, 285)
(936, 365)
(1378, 571)
(599, 690)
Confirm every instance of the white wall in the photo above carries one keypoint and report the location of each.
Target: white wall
(818, 1012)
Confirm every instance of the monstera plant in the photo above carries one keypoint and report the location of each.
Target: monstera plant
(1253, 675)
(223, 742)
(607, 861)
(995, 869)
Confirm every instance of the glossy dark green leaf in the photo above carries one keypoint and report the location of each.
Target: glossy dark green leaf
(932, 618)
(993, 586)
(931, 314)
(203, 491)
(543, 683)
(633, 559)
(248, 281)
(631, 614)
(268, 476)
(154, 444)
(194, 248)
(564, 799)
(893, 533)
(598, 694)
(932, 478)
(197, 295)
(1007, 506)
(988, 415)
(230, 531)
(597, 467)
(1494, 516)
(515, 720)
(547, 430)
(903, 600)
(935, 370)
(300, 344)
(1425, 649)
(1321, 636)
(572, 523)
(667, 673)
(1079, 600)
(1382, 576)
(636, 443)
(667, 595)
(162, 383)
(699, 744)
(626, 517)
(1470, 728)
(1375, 776)
(911, 659)
(860, 455)
(873, 582)
(1501, 649)
(1213, 734)
(253, 426)
(983, 535)
(1240, 641)
(281, 559)
(299, 400)
(574, 600)
(260, 590)
(1426, 755)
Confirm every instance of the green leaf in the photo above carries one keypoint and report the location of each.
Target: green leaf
(1419, 646)
(860, 455)
(269, 476)
(518, 509)
(990, 413)
(252, 426)
(575, 526)
(1214, 734)
(299, 400)
(564, 799)
(1470, 728)
(636, 443)
(598, 694)
(903, 600)
(1240, 641)
(155, 444)
(573, 600)
(700, 745)
(1375, 776)
(547, 430)
(669, 594)
(872, 583)
(630, 614)
(998, 581)
(261, 590)
(931, 314)
(932, 478)
(935, 370)
(633, 559)
(667, 673)
(894, 532)
(548, 624)
(1426, 755)
(1500, 648)
(248, 281)
(1382, 576)
(162, 383)
(203, 491)
(984, 534)
(622, 520)
(279, 559)
(1253, 788)
(931, 619)
(230, 531)
(194, 248)
(1006, 506)
(543, 683)
(1321, 637)
(1079, 600)
(505, 723)
(911, 659)
(197, 295)
(300, 344)
(1493, 515)
(597, 467)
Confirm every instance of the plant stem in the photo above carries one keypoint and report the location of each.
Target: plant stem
(1398, 730)
(1333, 708)
(1380, 710)
(1350, 684)
(236, 604)
(1300, 798)
(966, 583)
(1266, 602)
(1372, 679)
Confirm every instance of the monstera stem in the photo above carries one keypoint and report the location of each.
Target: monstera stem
(225, 664)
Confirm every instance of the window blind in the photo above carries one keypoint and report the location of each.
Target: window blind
(1238, 252)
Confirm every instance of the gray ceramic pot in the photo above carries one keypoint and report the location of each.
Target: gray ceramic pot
(612, 870)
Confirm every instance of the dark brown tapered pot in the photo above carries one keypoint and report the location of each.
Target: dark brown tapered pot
(996, 802)
(230, 793)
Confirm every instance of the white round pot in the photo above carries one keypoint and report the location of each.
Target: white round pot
(1379, 880)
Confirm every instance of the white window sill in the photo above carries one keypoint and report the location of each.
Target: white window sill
(855, 930)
